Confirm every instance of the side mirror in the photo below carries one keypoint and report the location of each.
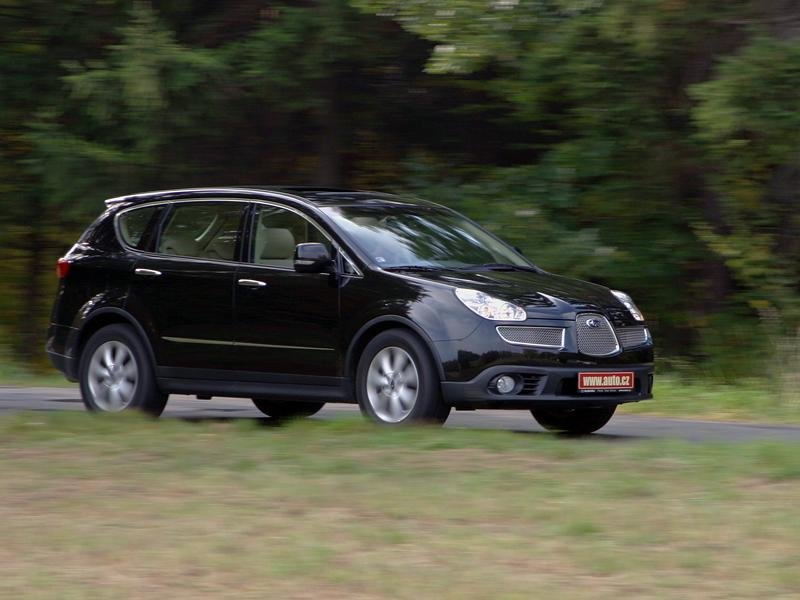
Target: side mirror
(312, 258)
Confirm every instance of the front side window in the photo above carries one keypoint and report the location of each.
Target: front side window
(207, 230)
(405, 235)
(277, 233)
(134, 223)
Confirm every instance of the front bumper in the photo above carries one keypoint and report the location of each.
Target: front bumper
(545, 386)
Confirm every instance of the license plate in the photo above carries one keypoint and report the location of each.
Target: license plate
(605, 382)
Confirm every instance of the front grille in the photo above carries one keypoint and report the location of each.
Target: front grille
(630, 337)
(595, 335)
(548, 337)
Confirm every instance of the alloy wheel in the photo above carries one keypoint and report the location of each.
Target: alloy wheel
(113, 376)
(392, 384)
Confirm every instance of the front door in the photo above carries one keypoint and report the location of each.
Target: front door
(183, 291)
(287, 323)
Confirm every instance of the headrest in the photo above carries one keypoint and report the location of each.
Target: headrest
(278, 242)
(180, 243)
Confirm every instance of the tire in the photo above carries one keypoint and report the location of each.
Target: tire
(287, 409)
(116, 375)
(397, 382)
(578, 421)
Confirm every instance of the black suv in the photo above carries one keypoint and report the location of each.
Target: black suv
(295, 297)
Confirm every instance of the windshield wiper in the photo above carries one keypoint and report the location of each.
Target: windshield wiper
(414, 268)
(500, 267)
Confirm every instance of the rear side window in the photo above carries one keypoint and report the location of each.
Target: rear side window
(203, 230)
(134, 223)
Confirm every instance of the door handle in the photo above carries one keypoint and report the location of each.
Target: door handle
(254, 283)
(148, 272)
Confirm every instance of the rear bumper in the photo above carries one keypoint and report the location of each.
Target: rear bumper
(545, 386)
(65, 364)
(58, 342)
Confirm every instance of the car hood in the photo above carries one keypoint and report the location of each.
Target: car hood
(543, 295)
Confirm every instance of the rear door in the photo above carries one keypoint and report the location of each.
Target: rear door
(182, 291)
(287, 323)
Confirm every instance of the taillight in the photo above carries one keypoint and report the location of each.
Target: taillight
(62, 267)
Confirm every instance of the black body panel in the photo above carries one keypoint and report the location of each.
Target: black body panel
(290, 325)
(185, 309)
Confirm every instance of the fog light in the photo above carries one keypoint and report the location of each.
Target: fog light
(505, 384)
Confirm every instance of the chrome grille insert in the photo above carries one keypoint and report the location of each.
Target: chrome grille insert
(630, 337)
(595, 335)
(543, 337)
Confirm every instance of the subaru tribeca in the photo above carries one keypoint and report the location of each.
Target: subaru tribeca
(295, 297)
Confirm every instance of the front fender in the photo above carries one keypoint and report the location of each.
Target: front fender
(381, 322)
(383, 300)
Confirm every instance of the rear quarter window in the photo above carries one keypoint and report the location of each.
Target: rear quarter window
(134, 224)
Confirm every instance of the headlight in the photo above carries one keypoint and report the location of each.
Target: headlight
(626, 300)
(489, 307)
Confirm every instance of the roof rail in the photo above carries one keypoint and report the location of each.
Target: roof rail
(166, 193)
(141, 196)
(117, 200)
(285, 192)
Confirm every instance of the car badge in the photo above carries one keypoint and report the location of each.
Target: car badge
(593, 323)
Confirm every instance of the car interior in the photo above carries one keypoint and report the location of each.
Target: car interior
(211, 231)
(202, 232)
(274, 246)
(278, 232)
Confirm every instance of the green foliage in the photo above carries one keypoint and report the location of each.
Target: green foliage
(35, 38)
(510, 203)
(290, 59)
(126, 106)
(748, 120)
(668, 128)
(650, 145)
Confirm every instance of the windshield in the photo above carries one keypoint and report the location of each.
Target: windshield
(419, 236)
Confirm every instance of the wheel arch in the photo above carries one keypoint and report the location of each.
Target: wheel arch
(102, 317)
(378, 325)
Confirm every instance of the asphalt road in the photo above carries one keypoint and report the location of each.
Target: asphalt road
(621, 426)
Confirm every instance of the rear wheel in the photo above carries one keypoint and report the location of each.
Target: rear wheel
(287, 409)
(116, 375)
(397, 382)
(580, 421)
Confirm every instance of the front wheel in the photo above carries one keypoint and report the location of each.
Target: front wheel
(397, 382)
(579, 421)
(287, 409)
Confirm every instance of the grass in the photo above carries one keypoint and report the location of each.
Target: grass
(747, 400)
(99, 507)
(13, 374)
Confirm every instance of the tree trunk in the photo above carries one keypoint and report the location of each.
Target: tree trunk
(716, 271)
(329, 146)
(31, 334)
